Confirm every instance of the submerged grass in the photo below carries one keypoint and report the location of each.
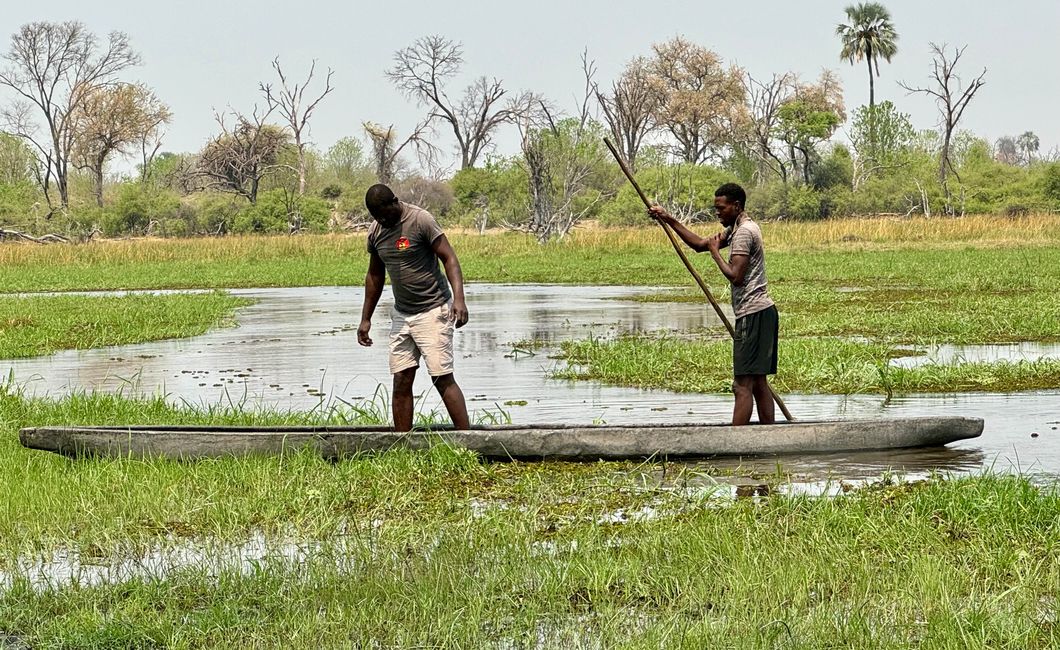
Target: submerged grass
(39, 325)
(114, 505)
(824, 365)
(526, 555)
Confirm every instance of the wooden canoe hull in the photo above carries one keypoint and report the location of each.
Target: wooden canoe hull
(559, 442)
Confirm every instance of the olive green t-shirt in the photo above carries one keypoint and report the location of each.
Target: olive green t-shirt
(416, 276)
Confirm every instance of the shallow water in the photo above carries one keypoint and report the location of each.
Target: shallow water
(949, 354)
(296, 348)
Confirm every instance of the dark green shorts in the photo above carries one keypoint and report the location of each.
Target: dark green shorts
(754, 348)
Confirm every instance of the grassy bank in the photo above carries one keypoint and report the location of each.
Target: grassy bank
(850, 250)
(509, 555)
(38, 325)
(846, 313)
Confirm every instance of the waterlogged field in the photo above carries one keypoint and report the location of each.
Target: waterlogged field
(439, 549)
(808, 365)
(296, 550)
(39, 325)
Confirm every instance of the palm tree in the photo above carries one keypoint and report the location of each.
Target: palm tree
(870, 35)
(1006, 150)
(1028, 144)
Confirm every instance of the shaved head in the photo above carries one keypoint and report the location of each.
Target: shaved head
(383, 204)
(378, 196)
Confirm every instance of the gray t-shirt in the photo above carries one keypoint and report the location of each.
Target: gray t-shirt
(753, 295)
(415, 273)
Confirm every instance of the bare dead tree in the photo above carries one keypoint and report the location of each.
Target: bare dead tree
(560, 158)
(51, 238)
(421, 72)
(952, 98)
(51, 66)
(629, 109)
(289, 100)
(239, 158)
(764, 101)
(386, 150)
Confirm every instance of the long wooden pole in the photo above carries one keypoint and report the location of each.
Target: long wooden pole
(691, 269)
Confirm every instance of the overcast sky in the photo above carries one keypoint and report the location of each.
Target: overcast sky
(201, 55)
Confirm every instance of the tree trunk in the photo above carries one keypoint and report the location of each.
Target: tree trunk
(301, 172)
(62, 182)
(872, 86)
(64, 192)
(943, 163)
(97, 173)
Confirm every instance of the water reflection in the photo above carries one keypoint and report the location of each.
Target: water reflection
(949, 354)
(297, 347)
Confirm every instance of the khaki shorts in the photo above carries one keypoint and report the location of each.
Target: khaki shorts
(428, 334)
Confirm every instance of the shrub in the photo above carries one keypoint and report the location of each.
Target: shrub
(214, 212)
(281, 211)
(137, 206)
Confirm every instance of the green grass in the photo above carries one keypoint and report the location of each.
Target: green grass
(472, 554)
(943, 564)
(807, 365)
(972, 253)
(47, 499)
(39, 325)
(439, 549)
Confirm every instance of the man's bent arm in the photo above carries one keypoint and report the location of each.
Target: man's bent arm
(735, 271)
(694, 241)
(447, 255)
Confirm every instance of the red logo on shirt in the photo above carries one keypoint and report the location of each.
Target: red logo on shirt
(402, 243)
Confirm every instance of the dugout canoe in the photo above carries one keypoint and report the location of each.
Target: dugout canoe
(559, 442)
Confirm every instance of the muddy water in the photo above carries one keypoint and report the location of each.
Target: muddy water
(296, 348)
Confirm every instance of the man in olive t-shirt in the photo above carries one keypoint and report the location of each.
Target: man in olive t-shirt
(754, 348)
(406, 243)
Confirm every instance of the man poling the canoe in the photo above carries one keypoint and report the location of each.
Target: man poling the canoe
(757, 324)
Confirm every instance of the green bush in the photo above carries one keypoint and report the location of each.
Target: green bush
(270, 214)
(215, 212)
(1050, 184)
(501, 186)
(834, 170)
(137, 206)
(281, 211)
(315, 214)
(17, 201)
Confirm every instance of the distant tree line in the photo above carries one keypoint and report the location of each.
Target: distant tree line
(681, 116)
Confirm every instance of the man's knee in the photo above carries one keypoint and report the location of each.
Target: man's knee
(742, 385)
(441, 382)
(404, 380)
